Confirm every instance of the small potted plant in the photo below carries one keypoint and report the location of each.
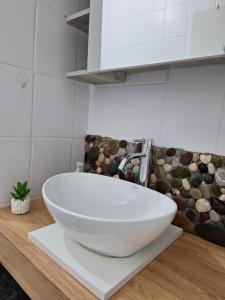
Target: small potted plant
(20, 203)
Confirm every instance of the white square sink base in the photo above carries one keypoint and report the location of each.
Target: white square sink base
(102, 275)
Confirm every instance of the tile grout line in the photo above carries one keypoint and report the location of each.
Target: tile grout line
(33, 92)
(163, 109)
(220, 124)
(73, 122)
(122, 87)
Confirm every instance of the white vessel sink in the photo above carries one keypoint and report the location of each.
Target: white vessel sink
(107, 215)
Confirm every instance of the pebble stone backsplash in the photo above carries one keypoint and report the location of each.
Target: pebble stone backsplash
(195, 181)
(103, 156)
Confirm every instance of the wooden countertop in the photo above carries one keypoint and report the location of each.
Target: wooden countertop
(189, 269)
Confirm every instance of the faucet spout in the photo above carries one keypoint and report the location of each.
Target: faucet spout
(127, 158)
(145, 160)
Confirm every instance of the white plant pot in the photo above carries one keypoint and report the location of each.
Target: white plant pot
(19, 207)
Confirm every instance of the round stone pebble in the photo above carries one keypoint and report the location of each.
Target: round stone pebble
(222, 198)
(212, 232)
(116, 176)
(113, 168)
(205, 190)
(121, 152)
(167, 168)
(195, 179)
(181, 203)
(204, 217)
(203, 205)
(192, 215)
(107, 152)
(168, 160)
(106, 142)
(87, 167)
(220, 177)
(195, 194)
(123, 144)
(98, 163)
(136, 170)
(112, 157)
(186, 185)
(218, 206)
(93, 154)
(203, 168)
(186, 158)
(193, 167)
(216, 160)
(215, 190)
(113, 146)
(195, 158)
(128, 166)
(176, 183)
(135, 161)
(105, 169)
(175, 162)
(182, 221)
(101, 157)
(190, 203)
(171, 152)
(99, 170)
(169, 176)
(184, 193)
(107, 161)
(160, 153)
(175, 192)
(153, 178)
(180, 172)
(169, 195)
(101, 150)
(160, 162)
(205, 159)
(93, 166)
(87, 147)
(222, 190)
(214, 216)
(118, 159)
(90, 138)
(159, 172)
(209, 178)
(129, 176)
(162, 186)
(179, 152)
(211, 169)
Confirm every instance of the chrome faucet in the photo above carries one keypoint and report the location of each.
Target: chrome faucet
(144, 156)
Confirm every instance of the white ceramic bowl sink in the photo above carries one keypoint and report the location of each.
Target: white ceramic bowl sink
(107, 215)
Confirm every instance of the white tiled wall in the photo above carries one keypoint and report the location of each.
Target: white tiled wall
(180, 108)
(148, 31)
(42, 124)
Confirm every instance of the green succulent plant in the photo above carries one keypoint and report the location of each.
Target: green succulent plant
(21, 190)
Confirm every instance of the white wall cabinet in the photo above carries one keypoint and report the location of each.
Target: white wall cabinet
(137, 35)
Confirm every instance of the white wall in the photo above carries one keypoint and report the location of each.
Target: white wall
(180, 108)
(148, 31)
(42, 125)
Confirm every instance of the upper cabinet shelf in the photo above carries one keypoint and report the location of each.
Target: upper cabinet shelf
(80, 20)
(111, 61)
(97, 77)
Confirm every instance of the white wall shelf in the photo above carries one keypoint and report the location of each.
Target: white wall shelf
(97, 77)
(184, 63)
(80, 20)
(119, 76)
